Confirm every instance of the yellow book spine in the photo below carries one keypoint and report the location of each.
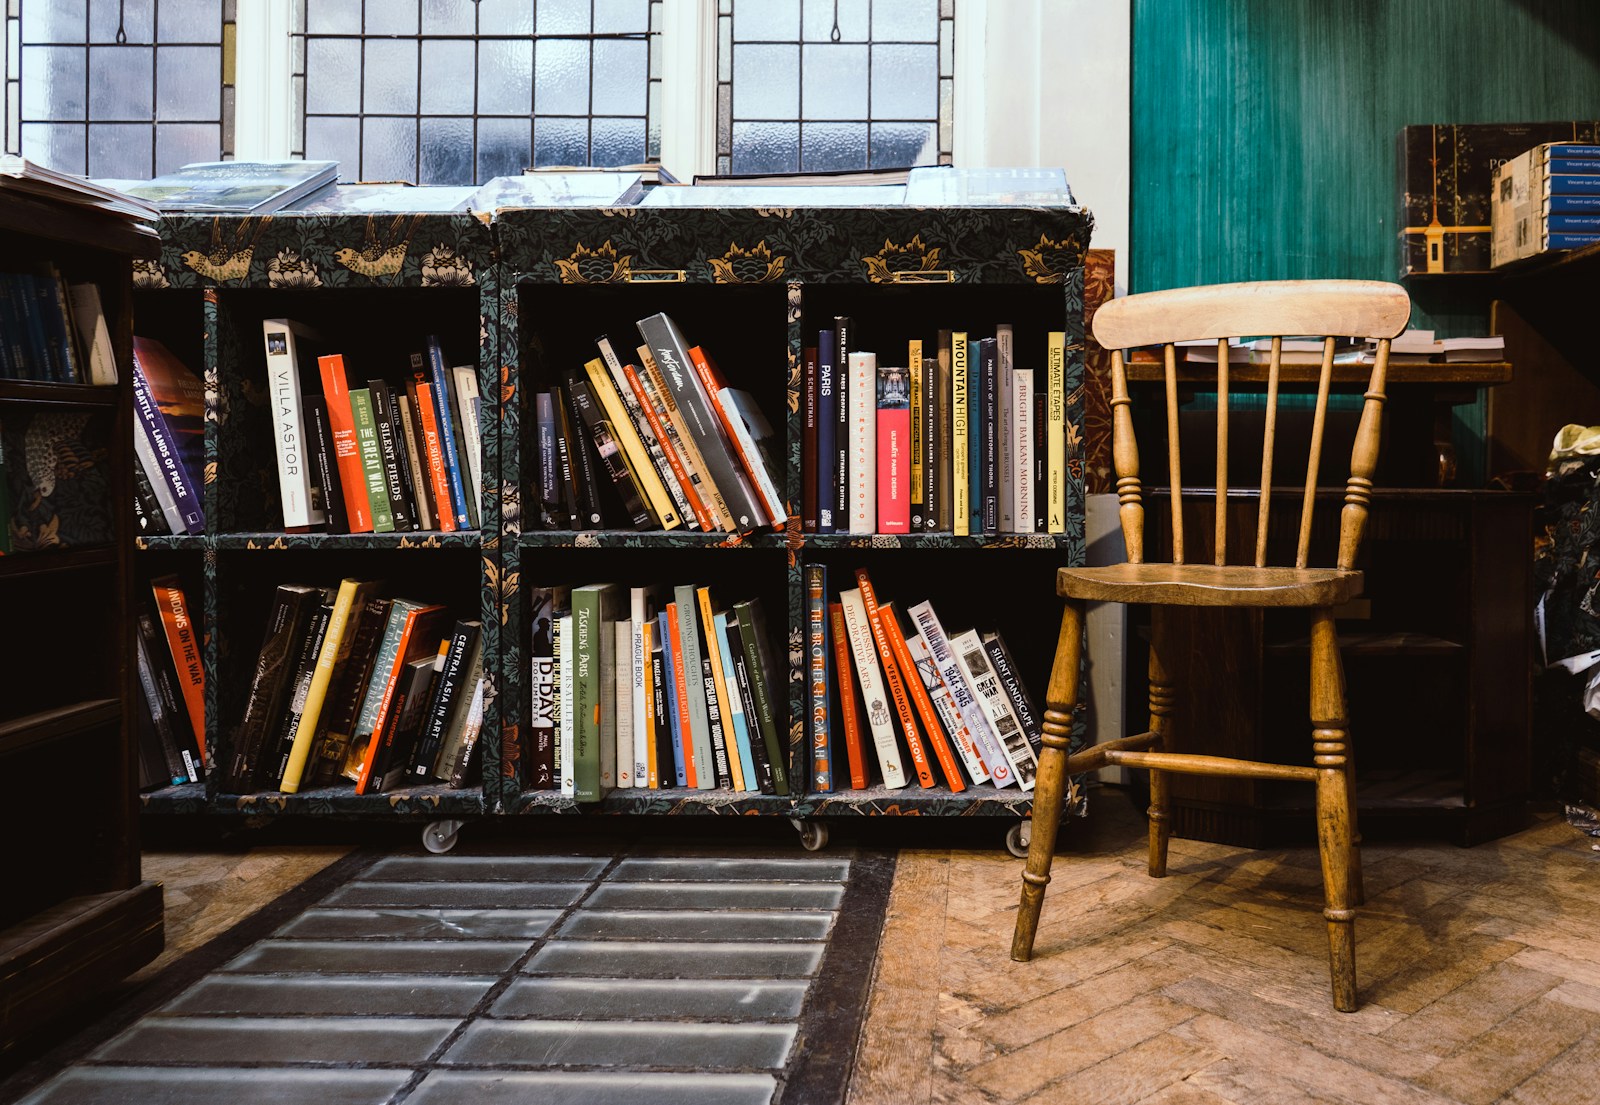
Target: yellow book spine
(1056, 433)
(639, 462)
(653, 774)
(960, 493)
(338, 621)
(918, 446)
(714, 650)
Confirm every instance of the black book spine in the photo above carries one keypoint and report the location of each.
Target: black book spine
(843, 338)
(304, 668)
(159, 659)
(666, 762)
(931, 453)
(401, 505)
(1041, 458)
(155, 706)
(610, 453)
(808, 444)
(719, 739)
(989, 444)
(741, 674)
(323, 465)
(444, 694)
(549, 461)
(567, 515)
(945, 519)
(580, 452)
(146, 509)
(1022, 703)
(265, 700)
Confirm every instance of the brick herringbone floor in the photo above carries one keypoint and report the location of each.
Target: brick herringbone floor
(1478, 973)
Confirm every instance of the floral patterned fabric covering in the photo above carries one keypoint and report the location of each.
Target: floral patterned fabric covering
(57, 469)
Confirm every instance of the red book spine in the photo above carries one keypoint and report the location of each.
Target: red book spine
(894, 469)
(849, 701)
(897, 689)
(919, 695)
(358, 508)
(681, 684)
(808, 443)
(430, 438)
(675, 462)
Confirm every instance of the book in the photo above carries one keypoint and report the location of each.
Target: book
(953, 674)
(721, 765)
(1056, 432)
(764, 686)
(582, 468)
(346, 454)
(651, 452)
(161, 701)
(869, 677)
(677, 772)
(960, 431)
(808, 439)
(595, 608)
(644, 603)
(323, 455)
(687, 651)
(1027, 712)
(660, 768)
(919, 431)
(170, 403)
(850, 717)
(718, 706)
(391, 456)
(949, 716)
(1022, 434)
(977, 413)
(546, 605)
(552, 508)
(289, 346)
(894, 448)
(463, 769)
(464, 381)
(989, 435)
(613, 465)
(446, 712)
(843, 339)
(293, 609)
(275, 751)
(932, 727)
(741, 671)
(1005, 432)
(411, 633)
(678, 430)
(992, 696)
(819, 722)
(682, 485)
(183, 647)
(862, 387)
(639, 464)
(346, 692)
(565, 719)
(371, 457)
(944, 428)
(757, 446)
(404, 725)
(413, 468)
(94, 336)
(149, 514)
(739, 718)
(622, 702)
(350, 592)
(898, 695)
(827, 433)
(432, 447)
(234, 187)
(439, 378)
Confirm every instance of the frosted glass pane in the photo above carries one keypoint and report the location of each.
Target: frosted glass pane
(188, 82)
(767, 21)
(560, 142)
(561, 79)
(828, 146)
(615, 17)
(178, 144)
(447, 67)
(392, 17)
(120, 84)
(505, 77)
(905, 20)
(897, 145)
(53, 21)
(617, 142)
(119, 149)
(335, 139)
(52, 82)
(852, 21)
(835, 82)
(389, 149)
(653, 135)
(505, 17)
(766, 82)
(333, 66)
(766, 147)
(138, 19)
(505, 147)
(449, 17)
(724, 49)
(333, 17)
(905, 82)
(619, 78)
(188, 21)
(390, 84)
(56, 146)
(446, 152)
(561, 17)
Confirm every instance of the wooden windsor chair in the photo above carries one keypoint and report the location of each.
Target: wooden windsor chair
(1358, 308)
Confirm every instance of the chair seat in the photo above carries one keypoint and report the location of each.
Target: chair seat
(1209, 585)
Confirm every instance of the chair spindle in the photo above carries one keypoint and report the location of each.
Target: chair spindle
(1314, 461)
(1125, 458)
(1363, 461)
(1221, 557)
(1174, 469)
(1266, 452)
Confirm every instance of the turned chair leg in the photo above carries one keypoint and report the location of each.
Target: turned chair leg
(1329, 736)
(1163, 700)
(1060, 699)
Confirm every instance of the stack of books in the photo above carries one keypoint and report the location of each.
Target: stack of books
(948, 436)
(1547, 198)
(53, 331)
(679, 446)
(353, 685)
(171, 726)
(652, 688)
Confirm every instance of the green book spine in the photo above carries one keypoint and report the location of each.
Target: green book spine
(586, 691)
(699, 724)
(371, 454)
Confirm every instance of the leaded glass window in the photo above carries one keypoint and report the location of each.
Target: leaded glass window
(119, 88)
(458, 91)
(820, 85)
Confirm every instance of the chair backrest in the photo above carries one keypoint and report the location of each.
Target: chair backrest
(1328, 309)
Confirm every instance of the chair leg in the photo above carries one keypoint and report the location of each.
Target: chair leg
(1358, 892)
(1163, 700)
(1329, 736)
(1060, 699)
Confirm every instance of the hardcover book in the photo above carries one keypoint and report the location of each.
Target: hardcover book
(353, 594)
(275, 754)
(892, 678)
(719, 709)
(819, 727)
(808, 440)
(764, 685)
(1055, 438)
(347, 688)
(293, 608)
(370, 454)
(183, 647)
(827, 475)
(843, 337)
(987, 689)
(235, 187)
(960, 433)
(677, 427)
(346, 454)
(949, 717)
(963, 694)
(869, 677)
(687, 653)
(396, 487)
(746, 694)
(595, 609)
(170, 402)
(439, 378)
(862, 387)
(851, 720)
(894, 466)
(739, 720)
(547, 604)
(447, 712)
(622, 403)
(290, 350)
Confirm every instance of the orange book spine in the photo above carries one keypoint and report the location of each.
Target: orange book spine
(185, 650)
(675, 462)
(708, 378)
(849, 704)
(403, 656)
(358, 508)
(681, 686)
(919, 696)
(430, 438)
(897, 689)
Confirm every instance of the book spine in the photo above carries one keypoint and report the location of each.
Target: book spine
(894, 436)
(767, 493)
(1056, 433)
(962, 693)
(1571, 205)
(324, 466)
(653, 456)
(944, 402)
(863, 443)
(454, 728)
(679, 482)
(352, 666)
(1022, 441)
(683, 732)
(263, 702)
(808, 440)
(987, 689)
(639, 460)
(465, 381)
(720, 760)
(376, 694)
(163, 451)
(656, 709)
(699, 723)
(738, 721)
(549, 474)
(405, 722)
(989, 466)
(678, 432)
(444, 692)
(277, 755)
(741, 669)
(166, 678)
(667, 636)
(433, 453)
(341, 419)
(1558, 240)
(870, 680)
(827, 472)
(1041, 455)
(587, 691)
(819, 727)
(1574, 149)
(640, 615)
(1005, 430)
(919, 431)
(144, 663)
(581, 451)
(960, 446)
(390, 462)
(849, 703)
(371, 455)
(719, 709)
(933, 730)
(1580, 224)
(289, 428)
(412, 470)
(949, 716)
(935, 432)
(419, 629)
(977, 411)
(843, 338)
(1570, 184)
(748, 468)
(603, 435)
(764, 683)
(622, 701)
(149, 514)
(1022, 704)
(542, 702)
(95, 335)
(440, 379)
(671, 355)
(471, 728)
(184, 647)
(566, 721)
(891, 676)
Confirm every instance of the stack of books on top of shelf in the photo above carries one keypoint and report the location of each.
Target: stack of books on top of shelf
(52, 330)
(953, 437)
(380, 458)
(680, 447)
(652, 688)
(1547, 198)
(23, 177)
(892, 694)
(233, 187)
(171, 726)
(353, 685)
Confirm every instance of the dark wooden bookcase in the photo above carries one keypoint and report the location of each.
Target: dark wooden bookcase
(74, 915)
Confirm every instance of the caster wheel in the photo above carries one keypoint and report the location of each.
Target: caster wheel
(813, 835)
(439, 837)
(1018, 837)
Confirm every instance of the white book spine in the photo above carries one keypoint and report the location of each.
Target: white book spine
(621, 690)
(869, 678)
(1023, 489)
(767, 491)
(146, 455)
(608, 702)
(1005, 420)
(963, 694)
(639, 618)
(946, 708)
(992, 694)
(564, 666)
(288, 425)
(466, 384)
(420, 479)
(863, 392)
(647, 434)
(90, 319)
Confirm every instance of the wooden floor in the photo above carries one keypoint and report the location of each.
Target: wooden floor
(1478, 973)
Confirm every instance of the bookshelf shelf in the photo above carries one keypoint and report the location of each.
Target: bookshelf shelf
(668, 801)
(922, 541)
(280, 542)
(637, 539)
(62, 395)
(57, 724)
(50, 563)
(419, 802)
(980, 800)
(182, 542)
